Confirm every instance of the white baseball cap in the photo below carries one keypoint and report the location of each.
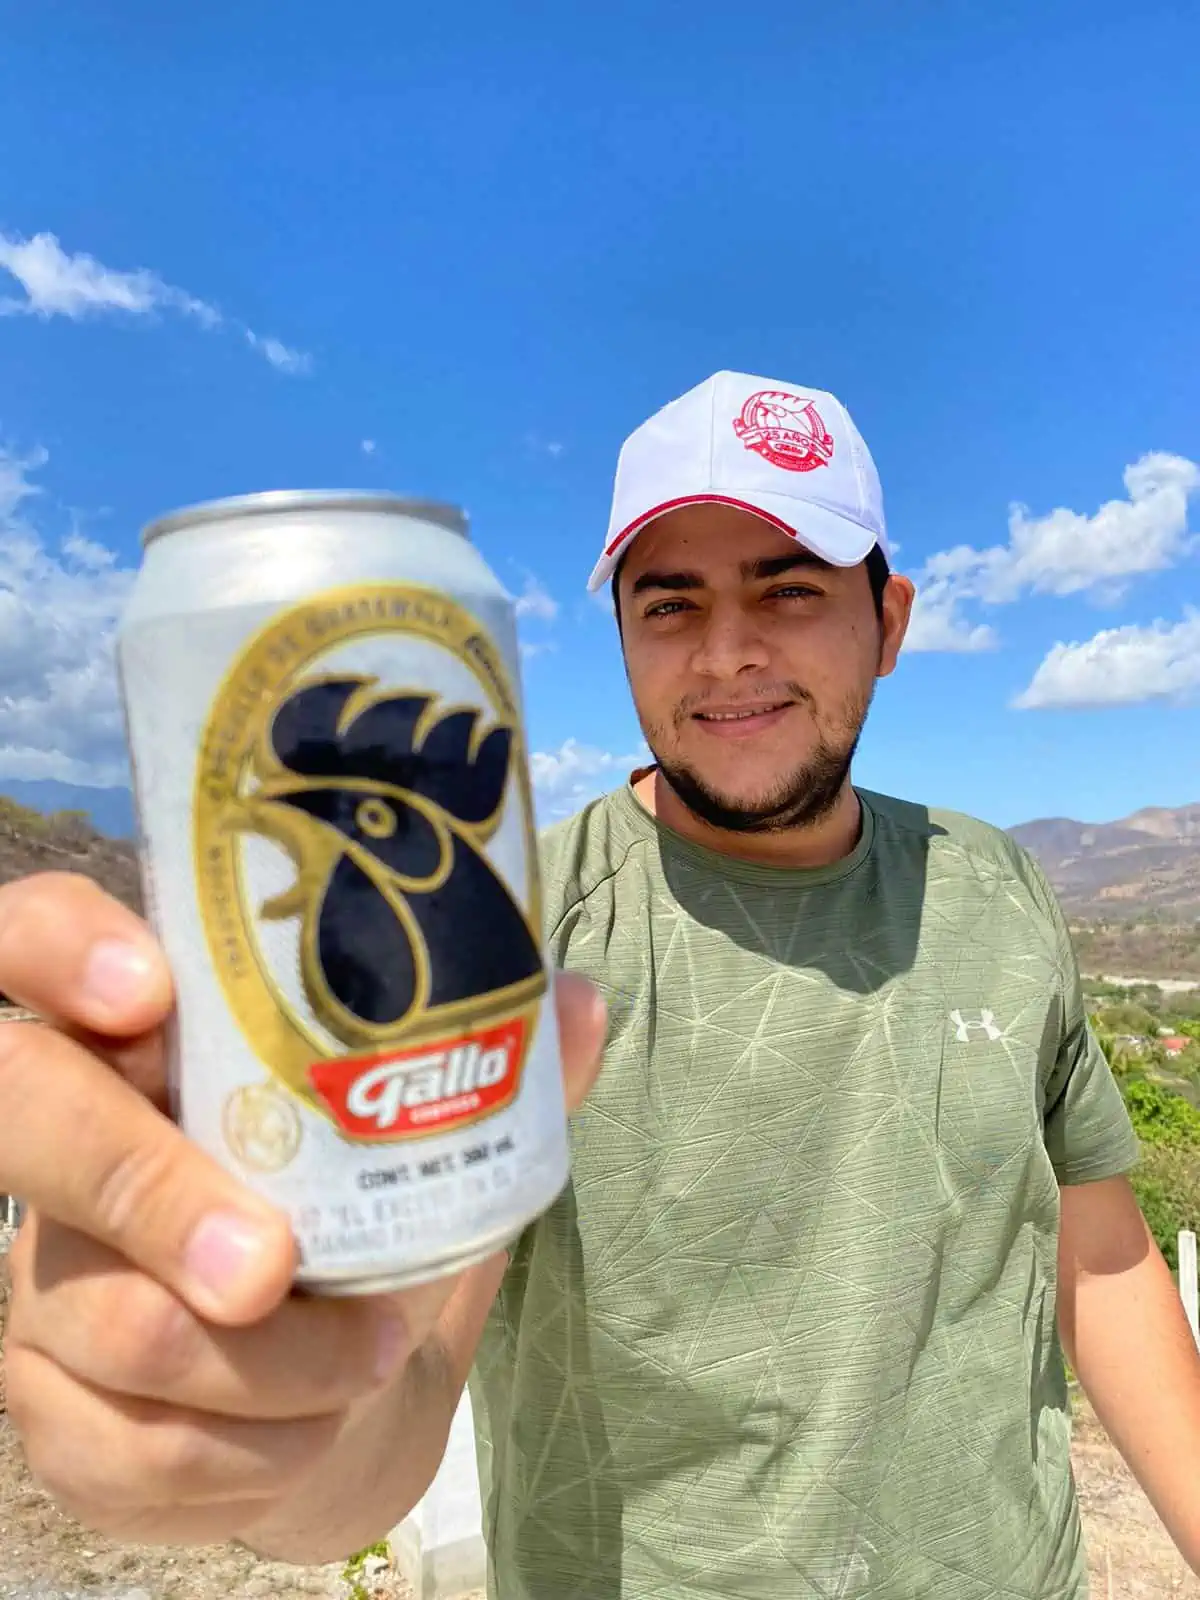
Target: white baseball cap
(789, 454)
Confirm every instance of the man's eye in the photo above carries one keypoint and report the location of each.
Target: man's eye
(666, 608)
(789, 591)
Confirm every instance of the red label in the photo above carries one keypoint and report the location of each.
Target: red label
(431, 1088)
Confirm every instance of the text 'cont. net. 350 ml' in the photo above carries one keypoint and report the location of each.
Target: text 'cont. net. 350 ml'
(338, 849)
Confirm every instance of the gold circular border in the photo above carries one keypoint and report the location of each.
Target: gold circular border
(252, 688)
(240, 1117)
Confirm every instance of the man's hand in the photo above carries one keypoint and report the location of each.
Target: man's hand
(165, 1383)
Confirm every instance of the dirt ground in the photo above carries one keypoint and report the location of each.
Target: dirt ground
(1129, 1555)
(46, 1556)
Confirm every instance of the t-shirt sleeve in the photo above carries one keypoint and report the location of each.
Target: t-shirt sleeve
(1087, 1131)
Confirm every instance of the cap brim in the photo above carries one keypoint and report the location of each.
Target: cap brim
(828, 534)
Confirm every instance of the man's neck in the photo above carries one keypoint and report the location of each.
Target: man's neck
(818, 844)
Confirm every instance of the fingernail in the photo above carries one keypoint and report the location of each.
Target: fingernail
(117, 973)
(391, 1341)
(225, 1249)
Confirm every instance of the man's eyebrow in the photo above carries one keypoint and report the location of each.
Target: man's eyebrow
(761, 570)
(775, 566)
(667, 580)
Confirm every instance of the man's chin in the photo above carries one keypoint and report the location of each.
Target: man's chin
(754, 803)
(747, 803)
(734, 808)
(747, 791)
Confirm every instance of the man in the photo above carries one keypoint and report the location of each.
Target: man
(791, 1328)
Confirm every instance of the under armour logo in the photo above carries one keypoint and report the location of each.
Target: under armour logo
(982, 1024)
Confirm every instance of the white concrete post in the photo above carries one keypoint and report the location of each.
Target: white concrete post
(440, 1548)
(1187, 1281)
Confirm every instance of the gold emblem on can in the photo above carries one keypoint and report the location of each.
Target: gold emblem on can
(262, 1127)
(393, 983)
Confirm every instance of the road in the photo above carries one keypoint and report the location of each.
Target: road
(1167, 985)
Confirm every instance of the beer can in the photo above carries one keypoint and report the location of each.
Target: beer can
(322, 700)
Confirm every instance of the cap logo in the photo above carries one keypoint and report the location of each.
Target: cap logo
(785, 430)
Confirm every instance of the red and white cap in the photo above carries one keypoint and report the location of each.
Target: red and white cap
(790, 455)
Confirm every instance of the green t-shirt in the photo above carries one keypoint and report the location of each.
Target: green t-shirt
(790, 1330)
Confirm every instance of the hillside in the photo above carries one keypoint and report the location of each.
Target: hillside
(1145, 864)
(110, 810)
(1142, 868)
(65, 841)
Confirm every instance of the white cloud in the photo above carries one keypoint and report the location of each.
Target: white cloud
(539, 446)
(58, 284)
(567, 778)
(1120, 667)
(937, 623)
(535, 602)
(15, 484)
(368, 447)
(280, 355)
(1066, 553)
(1063, 553)
(60, 715)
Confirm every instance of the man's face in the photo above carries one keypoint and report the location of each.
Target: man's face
(752, 664)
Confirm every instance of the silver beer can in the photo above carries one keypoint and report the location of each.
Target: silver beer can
(338, 851)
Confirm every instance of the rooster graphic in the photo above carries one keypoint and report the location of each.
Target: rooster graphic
(385, 803)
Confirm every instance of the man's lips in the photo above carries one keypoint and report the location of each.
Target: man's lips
(740, 721)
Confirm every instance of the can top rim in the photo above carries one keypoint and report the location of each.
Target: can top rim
(283, 500)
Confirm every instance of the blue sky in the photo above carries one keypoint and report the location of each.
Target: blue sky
(463, 251)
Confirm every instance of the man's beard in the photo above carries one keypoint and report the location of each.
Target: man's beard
(803, 797)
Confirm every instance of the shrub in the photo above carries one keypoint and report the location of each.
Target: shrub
(1127, 1018)
(1159, 1117)
(71, 829)
(16, 816)
(1167, 1185)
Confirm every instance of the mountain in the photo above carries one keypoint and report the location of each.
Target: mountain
(1146, 863)
(1149, 862)
(110, 810)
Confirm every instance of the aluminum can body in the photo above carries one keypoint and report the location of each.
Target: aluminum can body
(338, 852)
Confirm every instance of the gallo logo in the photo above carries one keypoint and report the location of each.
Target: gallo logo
(364, 853)
(422, 1091)
(785, 430)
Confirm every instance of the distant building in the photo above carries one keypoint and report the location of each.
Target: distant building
(1174, 1044)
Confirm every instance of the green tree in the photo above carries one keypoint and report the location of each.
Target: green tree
(1161, 1117)
(1127, 1018)
(1166, 1180)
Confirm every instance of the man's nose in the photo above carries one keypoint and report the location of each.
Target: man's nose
(732, 642)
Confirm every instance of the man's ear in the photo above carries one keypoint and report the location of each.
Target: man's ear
(897, 604)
